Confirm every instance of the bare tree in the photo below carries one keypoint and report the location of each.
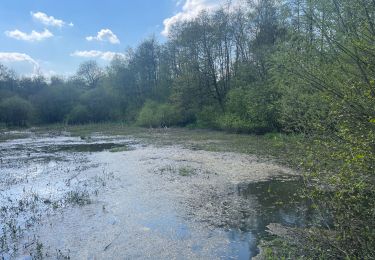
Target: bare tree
(90, 73)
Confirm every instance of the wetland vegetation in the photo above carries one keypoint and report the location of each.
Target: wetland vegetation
(201, 200)
(258, 137)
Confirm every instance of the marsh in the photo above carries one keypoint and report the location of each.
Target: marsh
(141, 194)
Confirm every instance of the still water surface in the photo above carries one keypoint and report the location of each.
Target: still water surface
(114, 197)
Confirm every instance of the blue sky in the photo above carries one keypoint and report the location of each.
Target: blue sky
(55, 36)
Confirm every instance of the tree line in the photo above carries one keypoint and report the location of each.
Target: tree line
(214, 71)
(304, 67)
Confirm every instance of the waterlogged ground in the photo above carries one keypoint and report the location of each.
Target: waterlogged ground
(120, 197)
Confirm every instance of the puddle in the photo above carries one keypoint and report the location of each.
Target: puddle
(278, 201)
(91, 147)
(108, 197)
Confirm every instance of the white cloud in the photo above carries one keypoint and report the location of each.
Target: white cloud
(31, 37)
(49, 20)
(192, 8)
(18, 57)
(104, 35)
(107, 55)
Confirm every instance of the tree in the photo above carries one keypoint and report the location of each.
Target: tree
(15, 111)
(101, 104)
(90, 73)
(329, 69)
(55, 102)
(144, 65)
(8, 82)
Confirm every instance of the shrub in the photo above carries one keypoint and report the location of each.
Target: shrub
(154, 114)
(249, 110)
(233, 123)
(78, 115)
(15, 111)
(208, 117)
(54, 103)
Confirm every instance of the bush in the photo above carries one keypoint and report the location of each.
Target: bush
(101, 104)
(249, 110)
(234, 123)
(208, 117)
(154, 114)
(54, 103)
(15, 111)
(303, 111)
(78, 115)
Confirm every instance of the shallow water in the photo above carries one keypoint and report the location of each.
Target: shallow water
(114, 197)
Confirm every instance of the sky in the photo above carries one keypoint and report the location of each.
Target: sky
(54, 36)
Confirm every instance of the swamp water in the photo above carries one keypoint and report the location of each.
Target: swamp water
(113, 197)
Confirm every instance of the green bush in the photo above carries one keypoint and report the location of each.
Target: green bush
(15, 111)
(208, 117)
(79, 115)
(54, 103)
(234, 123)
(249, 110)
(303, 111)
(154, 114)
(102, 105)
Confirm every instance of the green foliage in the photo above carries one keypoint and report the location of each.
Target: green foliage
(101, 104)
(249, 110)
(207, 117)
(327, 79)
(53, 104)
(233, 123)
(304, 67)
(154, 114)
(79, 115)
(15, 111)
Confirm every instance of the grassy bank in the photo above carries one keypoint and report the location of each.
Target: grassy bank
(285, 149)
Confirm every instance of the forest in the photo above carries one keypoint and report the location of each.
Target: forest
(294, 67)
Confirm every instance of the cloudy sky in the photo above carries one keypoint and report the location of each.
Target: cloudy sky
(55, 36)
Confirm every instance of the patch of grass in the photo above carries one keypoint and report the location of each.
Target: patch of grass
(120, 149)
(276, 248)
(284, 148)
(86, 130)
(39, 251)
(79, 198)
(166, 169)
(186, 171)
(62, 256)
(12, 135)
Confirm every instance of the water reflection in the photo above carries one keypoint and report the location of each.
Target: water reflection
(139, 205)
(278, 202)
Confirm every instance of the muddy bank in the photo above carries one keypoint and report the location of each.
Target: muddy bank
(114, 197)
